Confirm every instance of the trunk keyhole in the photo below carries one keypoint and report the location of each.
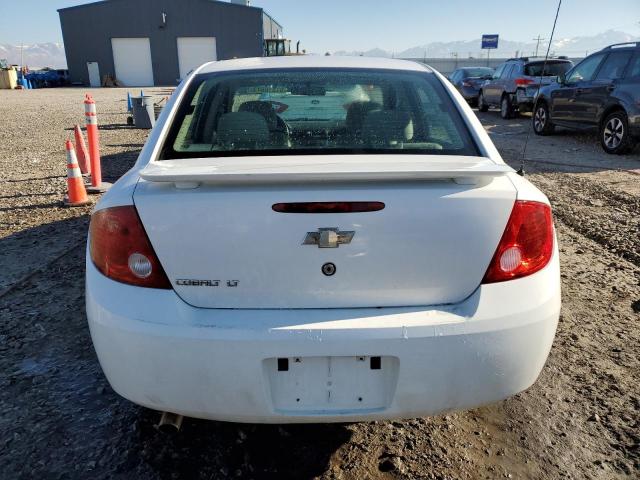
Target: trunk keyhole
(328, 269)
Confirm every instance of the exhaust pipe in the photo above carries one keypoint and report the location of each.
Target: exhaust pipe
(170, 422)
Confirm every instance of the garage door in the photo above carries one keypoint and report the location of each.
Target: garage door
(194, 51)
(132, 60)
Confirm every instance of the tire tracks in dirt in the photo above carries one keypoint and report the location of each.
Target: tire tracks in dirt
(589, 207)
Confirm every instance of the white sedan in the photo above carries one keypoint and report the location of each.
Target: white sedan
(351, 261)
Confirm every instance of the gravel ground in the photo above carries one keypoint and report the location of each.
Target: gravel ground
(60, 419)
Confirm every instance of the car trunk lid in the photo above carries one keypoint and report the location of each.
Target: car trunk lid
(476, 82)
(222, 244)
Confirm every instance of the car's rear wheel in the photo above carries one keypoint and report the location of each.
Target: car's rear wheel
(541, 120)
(614, 134)
(506, 108)
(483, 107)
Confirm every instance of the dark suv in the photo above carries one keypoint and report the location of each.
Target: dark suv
(602, 92)
(515, 83)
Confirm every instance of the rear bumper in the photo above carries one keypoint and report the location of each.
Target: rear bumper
(634, 123)
(525, 98)
(470, 94)
(161, 353)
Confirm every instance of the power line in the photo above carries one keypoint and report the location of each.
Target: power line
(538, 39)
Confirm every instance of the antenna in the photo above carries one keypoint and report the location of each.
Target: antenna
(544, 67)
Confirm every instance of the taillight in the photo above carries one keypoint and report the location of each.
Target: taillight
(526, 245)
(521, 82)
(121, 250)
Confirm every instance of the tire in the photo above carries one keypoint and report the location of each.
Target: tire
(615, 137)
(541, 120)
(483, 107)
(506, 108)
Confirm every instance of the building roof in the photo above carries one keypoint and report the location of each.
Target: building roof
(312, 61)
(102, 2)
(225, 3)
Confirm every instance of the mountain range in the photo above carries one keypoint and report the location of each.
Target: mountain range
(573, 47)
(36, 55)
(52, 54)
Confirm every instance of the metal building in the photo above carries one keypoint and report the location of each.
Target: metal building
(157, 42)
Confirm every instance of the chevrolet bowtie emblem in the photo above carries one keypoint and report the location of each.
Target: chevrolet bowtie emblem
(328, 238)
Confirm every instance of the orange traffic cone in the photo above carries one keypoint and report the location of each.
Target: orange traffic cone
(83, 155)
(77, 195)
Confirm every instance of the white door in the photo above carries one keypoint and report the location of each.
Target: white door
(132, 61)
(94, 74)
(194, 51)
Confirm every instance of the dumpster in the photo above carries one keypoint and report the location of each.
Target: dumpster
(143, 113)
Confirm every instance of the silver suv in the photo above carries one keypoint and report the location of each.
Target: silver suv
(515, 82)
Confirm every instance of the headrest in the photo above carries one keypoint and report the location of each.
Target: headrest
(356, 113)
(263, 108)
(385, 127)
(242, 129)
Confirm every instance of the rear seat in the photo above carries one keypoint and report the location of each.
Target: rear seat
(243, 130)
(356, 114)
(387, 128)
(278, 130)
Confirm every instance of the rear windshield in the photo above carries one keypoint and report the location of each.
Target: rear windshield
(478, 72)
(276, 112)
(552, 69)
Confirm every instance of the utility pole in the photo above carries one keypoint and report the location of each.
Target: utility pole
(538, 40)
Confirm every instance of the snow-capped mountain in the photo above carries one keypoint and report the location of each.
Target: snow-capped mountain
(52, 54)
(574, 47)
(36, 55)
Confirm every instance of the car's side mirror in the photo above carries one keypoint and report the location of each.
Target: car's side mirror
(561, 79)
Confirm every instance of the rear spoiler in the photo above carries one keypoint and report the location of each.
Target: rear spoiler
(320, 168)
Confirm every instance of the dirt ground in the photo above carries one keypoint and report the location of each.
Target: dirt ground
(59, 419)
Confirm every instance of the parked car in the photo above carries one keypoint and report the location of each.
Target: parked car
(468, 80)
(601, 93)
(516, 81)
(387, 265)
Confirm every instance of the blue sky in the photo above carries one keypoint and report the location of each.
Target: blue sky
(363, 24)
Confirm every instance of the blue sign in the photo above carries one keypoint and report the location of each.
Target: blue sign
(490, 41)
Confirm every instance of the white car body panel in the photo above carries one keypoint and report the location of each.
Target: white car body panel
(443, 346)
(416, 251)
(214, 363)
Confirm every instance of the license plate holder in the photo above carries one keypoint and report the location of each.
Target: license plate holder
(331, 384)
